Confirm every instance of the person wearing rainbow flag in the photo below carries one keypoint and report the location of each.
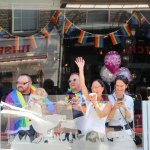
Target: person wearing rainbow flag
(19, 97)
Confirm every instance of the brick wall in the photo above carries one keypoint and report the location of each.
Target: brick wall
(5, 19)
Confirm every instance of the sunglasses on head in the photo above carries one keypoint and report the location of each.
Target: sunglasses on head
(22, 83)
(74, 80)
(121, 77)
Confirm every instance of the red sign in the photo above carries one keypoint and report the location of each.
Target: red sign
(140, 50)
(12, 49)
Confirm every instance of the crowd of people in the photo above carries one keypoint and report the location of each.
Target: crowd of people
(116, 110)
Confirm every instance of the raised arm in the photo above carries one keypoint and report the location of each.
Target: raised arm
(80, 63)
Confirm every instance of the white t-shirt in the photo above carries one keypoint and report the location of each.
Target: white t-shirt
(93, 121)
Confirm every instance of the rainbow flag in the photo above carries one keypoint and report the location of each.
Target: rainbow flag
(1, 32)
(45, 31)
(143, 19)
(99, 41)
(35, 42)
(18, 42)
(56, 16)
(68, 27)
(49, 27)
(82, 37)
(22, 123)
(135, 18)
(126, 30)
(114, 38)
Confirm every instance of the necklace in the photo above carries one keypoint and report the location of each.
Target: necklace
(73, 97)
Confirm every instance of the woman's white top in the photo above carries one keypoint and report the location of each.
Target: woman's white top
(93, 121)
(119, 116)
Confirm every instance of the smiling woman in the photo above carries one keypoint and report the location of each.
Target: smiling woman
(122, 113)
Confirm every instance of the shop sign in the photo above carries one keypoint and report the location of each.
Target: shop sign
(8, 50)
(140, 50)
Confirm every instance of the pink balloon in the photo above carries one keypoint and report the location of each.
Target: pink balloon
(106, 75)
(112, 61)
(125, 72)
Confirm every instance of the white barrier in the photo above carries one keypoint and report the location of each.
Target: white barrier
(146, 124)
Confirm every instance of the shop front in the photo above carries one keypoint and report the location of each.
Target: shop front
(40, 63)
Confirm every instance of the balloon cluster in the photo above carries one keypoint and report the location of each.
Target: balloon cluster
(111, 69)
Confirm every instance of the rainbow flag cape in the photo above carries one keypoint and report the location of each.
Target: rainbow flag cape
(35, 42)
(99, 41)
(114, 38)
(16, 98)
(83, 37)
(56, 16)
(68, 27)
(135, 18)
(126, 30)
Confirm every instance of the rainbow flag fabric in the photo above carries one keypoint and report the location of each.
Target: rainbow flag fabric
(35, 42)
(82, 39)
(126, 30)
(143, 19)
(56, 16)
(68, 28)
(18, 42)
(99, 41)
(45, 31)
(135, 18)
(16, 98)
(115, 38)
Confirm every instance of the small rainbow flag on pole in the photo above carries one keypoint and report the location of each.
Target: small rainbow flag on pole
(126, 30)
(135, 18)
(68, 27)
(99, 41)
(114, 38)
(83, 37)
(56, 16)
(35, 42)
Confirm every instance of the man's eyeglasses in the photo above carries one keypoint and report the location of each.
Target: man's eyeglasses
(74, 80)
(22, 83)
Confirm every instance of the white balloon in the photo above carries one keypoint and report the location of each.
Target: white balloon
(106, 75)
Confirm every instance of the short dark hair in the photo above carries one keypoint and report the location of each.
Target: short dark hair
(48, 83)
(76, 73)
(27, 75)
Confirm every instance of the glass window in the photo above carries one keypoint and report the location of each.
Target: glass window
(97, 16)
(25, 20)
